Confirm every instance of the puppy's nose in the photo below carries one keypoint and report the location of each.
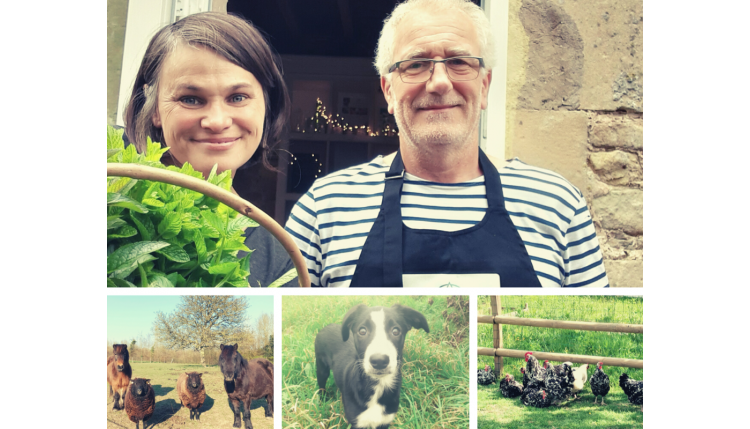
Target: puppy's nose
(379, 361)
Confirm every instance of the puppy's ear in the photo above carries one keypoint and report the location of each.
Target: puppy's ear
(350, 317)
(412, 317)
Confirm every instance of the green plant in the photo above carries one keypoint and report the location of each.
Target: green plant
(162, 235)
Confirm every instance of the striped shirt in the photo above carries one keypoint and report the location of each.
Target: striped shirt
(330, 223)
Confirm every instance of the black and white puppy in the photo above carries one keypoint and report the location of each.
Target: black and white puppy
(367, 366)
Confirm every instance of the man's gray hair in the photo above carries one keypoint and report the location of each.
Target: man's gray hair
(384, 51)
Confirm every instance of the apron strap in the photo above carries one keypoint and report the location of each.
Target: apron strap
(393, 234)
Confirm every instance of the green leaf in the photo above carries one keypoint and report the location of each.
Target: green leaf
(214, 223)
(160, 281)
(128, 254)
(125, 270)
(176, 279)
(119, 200)
(112, 152)
(119, 283)
(124, 232)
(144, 276)
(129, 155)
(289, 275)
(200, 246)
(170, 225)
(115, 222)
(154, 151)
(223, 268)
(121, 185)
(153, 202)
(174, 253)
(114, 138)
(240, 223)
(226, 277)
(144, 225)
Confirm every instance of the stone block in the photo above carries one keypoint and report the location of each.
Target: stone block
(624, 273)
(612, 36)
(617, 167)
(555, 140)
(616, 131)
(621, 209)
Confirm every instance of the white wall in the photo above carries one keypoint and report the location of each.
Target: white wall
(492, 132)
(145, 18)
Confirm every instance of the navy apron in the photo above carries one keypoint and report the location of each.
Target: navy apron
(491, 246)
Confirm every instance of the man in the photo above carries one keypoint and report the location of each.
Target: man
(439, 212)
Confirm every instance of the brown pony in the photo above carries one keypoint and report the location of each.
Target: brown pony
(245, 381)
(119, 373)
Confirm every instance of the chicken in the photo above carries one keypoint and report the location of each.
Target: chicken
(579, 374)
(535, 372)
(632, 388)
(485, 376)
(535, 398)
(599, 383)
(509, 387)
(525, 377)
(558, 383)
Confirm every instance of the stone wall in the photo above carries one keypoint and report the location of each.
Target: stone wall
(575, 106)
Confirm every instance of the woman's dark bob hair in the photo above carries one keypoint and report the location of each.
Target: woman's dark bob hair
(234, 39)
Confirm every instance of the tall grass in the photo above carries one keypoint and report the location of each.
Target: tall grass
(435, 379)
(497, 411)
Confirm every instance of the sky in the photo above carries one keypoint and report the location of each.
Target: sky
(131, 317)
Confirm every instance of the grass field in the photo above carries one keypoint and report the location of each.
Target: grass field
(215, 413)
(495, 411)
(435, 389)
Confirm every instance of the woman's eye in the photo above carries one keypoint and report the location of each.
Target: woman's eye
(238, 98)
(362, 331)
(396, 332)
(189, 100)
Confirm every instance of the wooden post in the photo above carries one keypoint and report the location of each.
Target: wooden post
(497, 335)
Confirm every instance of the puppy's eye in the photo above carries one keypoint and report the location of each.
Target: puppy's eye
(396, 332)
(362, 331)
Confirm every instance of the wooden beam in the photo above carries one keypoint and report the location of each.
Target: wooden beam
(497, 335)
(562, 357)
(562, 324)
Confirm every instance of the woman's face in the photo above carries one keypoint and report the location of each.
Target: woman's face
(211, 111)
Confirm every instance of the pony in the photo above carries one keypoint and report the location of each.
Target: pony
(245, 381)
(119, 373)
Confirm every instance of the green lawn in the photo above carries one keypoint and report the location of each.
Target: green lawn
(215, 412)
(496, 411)
(435, 389)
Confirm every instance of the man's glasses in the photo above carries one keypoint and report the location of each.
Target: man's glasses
(420, 70)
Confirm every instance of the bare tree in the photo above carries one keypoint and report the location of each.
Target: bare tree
(201, 322)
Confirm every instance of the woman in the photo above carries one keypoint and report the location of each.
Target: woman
(210, 88)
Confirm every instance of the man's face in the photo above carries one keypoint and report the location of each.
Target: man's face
(439, 111)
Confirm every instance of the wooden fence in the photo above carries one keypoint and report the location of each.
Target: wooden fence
(499, 352)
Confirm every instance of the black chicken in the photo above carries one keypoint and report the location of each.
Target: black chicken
(536, 398)
(558, 382)
(525, 377)
(485, 376)
(509, 387)
(599, 383)
(632, 388)
(535, 372)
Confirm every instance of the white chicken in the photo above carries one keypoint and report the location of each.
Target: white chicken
(580, 374)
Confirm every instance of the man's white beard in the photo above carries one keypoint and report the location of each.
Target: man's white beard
(436, 133)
